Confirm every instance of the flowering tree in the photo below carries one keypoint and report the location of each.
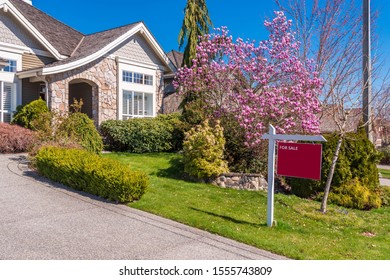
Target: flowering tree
(258, 84)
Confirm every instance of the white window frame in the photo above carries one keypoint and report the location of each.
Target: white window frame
(11, 78)
(125, 86)
(11, 110)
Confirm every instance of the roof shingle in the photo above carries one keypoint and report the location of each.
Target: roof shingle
(63, 38)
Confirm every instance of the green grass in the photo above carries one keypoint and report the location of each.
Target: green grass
(385, 173)
(302, 232)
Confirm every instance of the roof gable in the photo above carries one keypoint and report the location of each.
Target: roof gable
(99, 44)
(63, 38)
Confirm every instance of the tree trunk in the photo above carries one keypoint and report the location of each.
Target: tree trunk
(330, 174)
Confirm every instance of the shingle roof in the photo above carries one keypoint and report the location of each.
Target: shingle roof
(327, 120)
(64, 38)
(176, 58)
(95, 42)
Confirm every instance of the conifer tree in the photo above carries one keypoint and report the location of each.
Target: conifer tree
(196, 23)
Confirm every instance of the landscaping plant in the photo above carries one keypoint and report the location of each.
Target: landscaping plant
(15, 139)
(85, 171)
(159, 134)
(26, 115)
(203, 151)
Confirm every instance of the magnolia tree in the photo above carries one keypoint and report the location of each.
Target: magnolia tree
(259, 84)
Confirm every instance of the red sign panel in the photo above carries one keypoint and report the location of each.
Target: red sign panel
(299, 160)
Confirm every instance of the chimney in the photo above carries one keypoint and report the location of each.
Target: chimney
(28, 2)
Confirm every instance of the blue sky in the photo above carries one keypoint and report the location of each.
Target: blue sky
(244, 18)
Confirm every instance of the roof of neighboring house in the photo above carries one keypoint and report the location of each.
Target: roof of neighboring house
(332, 112)
(176, 58)
(64, 38)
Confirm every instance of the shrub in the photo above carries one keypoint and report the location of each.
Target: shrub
(385, 195)
(240, 157)
(79, 128)
(357, 159)
(25, 115)
(203, 149)
(355, 195)
(158, 134)
(385, 155)
(91, 173)
(15, 139)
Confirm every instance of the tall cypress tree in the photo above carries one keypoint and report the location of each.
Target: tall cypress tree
(196, 23)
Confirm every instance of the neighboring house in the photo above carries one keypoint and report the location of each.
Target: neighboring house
(172, 100)
(118, 73)
(354, 118)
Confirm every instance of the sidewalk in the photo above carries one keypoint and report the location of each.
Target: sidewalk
(42, 220)
(384, 181)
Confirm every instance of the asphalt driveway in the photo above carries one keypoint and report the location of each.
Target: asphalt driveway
(46, 221)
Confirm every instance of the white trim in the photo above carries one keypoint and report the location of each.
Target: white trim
(7, 6)
(133, 87)
(137, 63)
(23, 49)
(140, 27)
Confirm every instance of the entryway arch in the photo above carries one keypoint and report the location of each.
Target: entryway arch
(85, 90)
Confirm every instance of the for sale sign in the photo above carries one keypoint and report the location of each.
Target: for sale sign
(299, 160)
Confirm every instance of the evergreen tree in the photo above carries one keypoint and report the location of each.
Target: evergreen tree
(196, 23)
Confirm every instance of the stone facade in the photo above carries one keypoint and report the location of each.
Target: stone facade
(238, 181)
(101, 75)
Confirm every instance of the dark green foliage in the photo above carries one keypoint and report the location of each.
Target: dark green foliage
(78, 127)
(26, 115)
(385, 155)
(241, 158)
(159, 134)
(91, 173)
(357, 160)
(196, 23)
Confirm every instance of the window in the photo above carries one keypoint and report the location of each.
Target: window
(137, 104)
(6, 94)
(137, 78)
(11, 67)
(127, 76)
(148, 79)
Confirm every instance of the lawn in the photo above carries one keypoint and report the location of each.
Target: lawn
(385, 173)
(302, 232)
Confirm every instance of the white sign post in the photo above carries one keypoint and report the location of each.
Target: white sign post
(272, 137)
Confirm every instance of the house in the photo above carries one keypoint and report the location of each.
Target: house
(118, 73)
(333, 115)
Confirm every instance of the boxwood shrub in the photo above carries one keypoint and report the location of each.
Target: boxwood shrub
(158, 134)
(88, 172)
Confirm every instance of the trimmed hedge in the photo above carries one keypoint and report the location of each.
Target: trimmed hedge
(91, 173)
(15, 139)
(160, 134)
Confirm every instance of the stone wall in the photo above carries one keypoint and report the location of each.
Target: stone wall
(238, 181)
(101, 75)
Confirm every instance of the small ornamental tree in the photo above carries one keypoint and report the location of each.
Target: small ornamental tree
(203, 151)
(257, 84)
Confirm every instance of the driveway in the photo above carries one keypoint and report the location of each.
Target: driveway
(43, 220)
